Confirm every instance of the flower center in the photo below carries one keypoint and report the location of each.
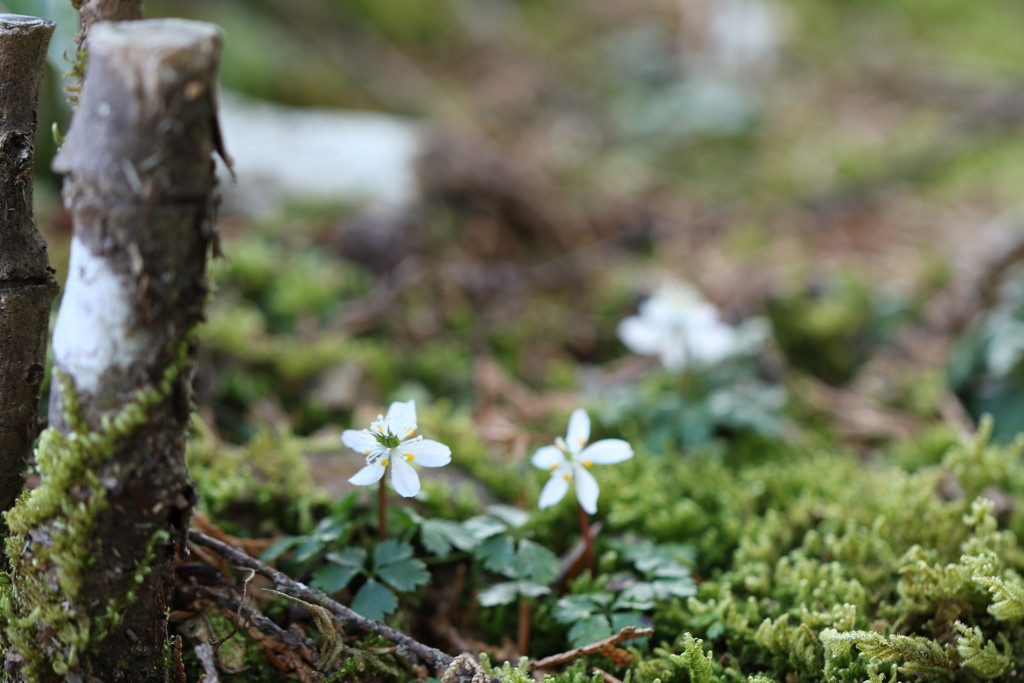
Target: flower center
(409, 456)
(588, 463)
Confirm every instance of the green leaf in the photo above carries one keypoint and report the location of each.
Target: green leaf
(512, 517)
(573, 608)
(507, 591)
(496, 554)
(389, 551)
(531, 589)
(643, 594)
(308, 547)
(640, 595)
(440, 536)
(682, 588)
(590, 630)
(482, 527)
(498, 594)
(404, 575)
(535, 562)
(333, 577)
(374, 600)
(348, 557)
(327, 532)
(280, 547)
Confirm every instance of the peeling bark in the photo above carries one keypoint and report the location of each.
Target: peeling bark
(91, 11)
(27, 285)
(139, 180)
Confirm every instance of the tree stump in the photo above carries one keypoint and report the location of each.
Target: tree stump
(27, 285)
(92, 547)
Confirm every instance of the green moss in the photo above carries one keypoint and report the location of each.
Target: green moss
(40, 618)
(269, 476)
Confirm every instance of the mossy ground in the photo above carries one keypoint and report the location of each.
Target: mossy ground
(840, 517)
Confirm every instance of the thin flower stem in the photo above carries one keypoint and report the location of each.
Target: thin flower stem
(525, 616)
(382, 511)
(588, 540)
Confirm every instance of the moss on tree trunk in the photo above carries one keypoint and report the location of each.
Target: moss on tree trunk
(92, 547)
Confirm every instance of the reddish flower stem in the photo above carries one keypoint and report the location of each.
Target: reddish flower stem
(382, 511)
(523, 635)
(588, 540)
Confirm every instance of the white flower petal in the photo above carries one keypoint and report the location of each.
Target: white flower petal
(401, 419)
(427, 453)
(606, 452)
(547, 457)
(404, 477)
(586, 490)
(359, 440)
(673, 354)
(712, 343)
(370, 474)
(640, 336)
(579, 430)
(554, 490)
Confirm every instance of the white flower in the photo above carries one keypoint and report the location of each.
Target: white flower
(680, 327)
(391, 441)
(570, 460)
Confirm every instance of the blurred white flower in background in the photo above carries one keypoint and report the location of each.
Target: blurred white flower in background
(683, 329)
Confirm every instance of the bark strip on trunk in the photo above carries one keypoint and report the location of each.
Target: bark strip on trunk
(27, 285)
(92, 11)
(92, 546)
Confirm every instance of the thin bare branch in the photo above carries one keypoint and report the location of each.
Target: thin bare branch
(606, 647)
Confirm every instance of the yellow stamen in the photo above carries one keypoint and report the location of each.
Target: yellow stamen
(410, 457)
(588, 463)
(582, 441)
(553, 467)
(567, 476)
(410, 432)
(384, 462)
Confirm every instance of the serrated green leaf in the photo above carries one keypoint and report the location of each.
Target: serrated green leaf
(496, 554)
(483, 527)
(682, 588)
(512, 517)
(671, 571)
(590, 630)
(573, 608)
(498, 594)
(535, 562)
(374, 600)
(435, 539)
(353, 557)
(440, 536)
(280, 547)
(332, 578)
(640, 595)
(308, 548)
(390, 551)
(628, 602)
(531, 589)
(405, 575)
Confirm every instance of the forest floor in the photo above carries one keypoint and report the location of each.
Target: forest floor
(793, 508)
